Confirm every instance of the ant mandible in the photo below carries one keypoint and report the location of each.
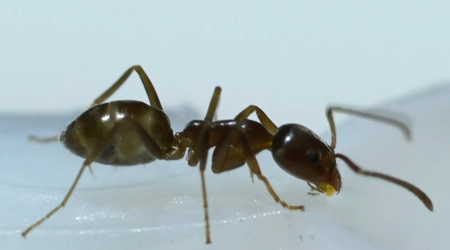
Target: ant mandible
(128, 133)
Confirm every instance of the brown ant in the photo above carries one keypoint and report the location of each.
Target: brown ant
(127, 133)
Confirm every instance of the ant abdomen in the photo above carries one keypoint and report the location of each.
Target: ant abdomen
(125, 148)
(301, 153)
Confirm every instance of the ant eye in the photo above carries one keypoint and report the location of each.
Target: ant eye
(314, 157)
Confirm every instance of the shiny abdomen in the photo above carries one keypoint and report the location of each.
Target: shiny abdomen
(126, 147)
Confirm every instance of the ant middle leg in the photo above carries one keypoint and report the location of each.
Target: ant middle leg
(230, 158)
(221, 163)
(200, 153)
(395, 122)
(314, 190)
(225, 157)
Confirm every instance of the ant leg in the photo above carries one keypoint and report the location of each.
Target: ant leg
(98, 149)
(43, 139)
(313, 189)
(254, 166)
(152, 147)
(149, 88)
(194, 157)
(226, 158)
(263, 118)
(216, 116)
(149, 143)
(202, 148)
(176, 151)
(329, 112)
(234, 159)
(51, 139)
(222, 152)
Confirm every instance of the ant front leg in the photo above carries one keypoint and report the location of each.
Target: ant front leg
(221, 163)
(329, 112)
(313, 189)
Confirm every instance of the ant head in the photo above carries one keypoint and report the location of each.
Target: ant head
(301, 153)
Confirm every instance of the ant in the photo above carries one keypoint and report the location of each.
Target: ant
(128, 133)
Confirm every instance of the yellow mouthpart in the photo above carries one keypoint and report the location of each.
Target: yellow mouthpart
(327, 188)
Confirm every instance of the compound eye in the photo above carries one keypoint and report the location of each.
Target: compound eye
(314, 157)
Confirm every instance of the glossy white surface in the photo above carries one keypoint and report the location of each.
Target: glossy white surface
(159, 206)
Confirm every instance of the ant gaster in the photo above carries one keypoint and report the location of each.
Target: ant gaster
(127, 133)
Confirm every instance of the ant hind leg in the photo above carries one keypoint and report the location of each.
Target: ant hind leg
(37, 139)
(151, 146)
(149, 88)
(148, 85)
(97, 150)
(263, 118)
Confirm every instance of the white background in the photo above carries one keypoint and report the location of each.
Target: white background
(292, 57)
